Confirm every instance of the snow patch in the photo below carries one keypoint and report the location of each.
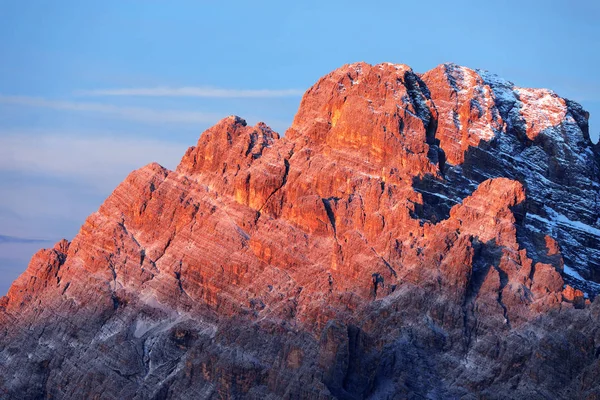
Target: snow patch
(541, 109)
(563, 220)
(559, 219)
(572, 273)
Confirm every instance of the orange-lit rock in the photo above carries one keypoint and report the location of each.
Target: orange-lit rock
(541, 109)
(407, 235)
(551, 245)
(574, 296)
(467, 108)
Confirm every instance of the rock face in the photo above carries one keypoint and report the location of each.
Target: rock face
(412, 235)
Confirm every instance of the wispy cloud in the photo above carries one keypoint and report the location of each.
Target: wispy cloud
(101, 159)
(193, 91)
(139, 114)
(13, 239)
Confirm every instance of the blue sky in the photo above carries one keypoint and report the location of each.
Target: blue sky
(90, 90)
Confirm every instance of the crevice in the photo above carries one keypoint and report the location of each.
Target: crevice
(65, 288)
(330, 213)
(363, 213)
(386, 263)
(256, 217)
(122, 375)
(532, 272)
(164, 250)
(115, 300)
(178, 278)
(113, 271)
(401, 127)
(253, 139)
(142, 256)
(113, 289)
(417, 95)
(503, 283)
(442, 161)
(286, 163)
(377, 280)
(195, 213)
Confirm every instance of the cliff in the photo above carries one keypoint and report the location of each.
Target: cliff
(411, 235)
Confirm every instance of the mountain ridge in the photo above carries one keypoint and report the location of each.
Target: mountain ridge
(410, 235)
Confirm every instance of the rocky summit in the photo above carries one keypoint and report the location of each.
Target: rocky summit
(411, 235)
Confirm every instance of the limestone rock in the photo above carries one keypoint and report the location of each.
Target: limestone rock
(411, 235)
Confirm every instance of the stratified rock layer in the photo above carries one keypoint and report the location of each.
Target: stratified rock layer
(413, 235)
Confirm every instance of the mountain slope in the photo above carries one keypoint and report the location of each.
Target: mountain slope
(411, 235)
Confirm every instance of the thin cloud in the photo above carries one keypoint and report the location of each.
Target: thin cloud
(129, 113)
(13, 239)
(100, 160)
(191, 91)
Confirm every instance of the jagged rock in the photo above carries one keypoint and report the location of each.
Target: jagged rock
(411, 235)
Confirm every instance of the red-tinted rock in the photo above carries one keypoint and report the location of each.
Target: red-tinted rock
(467, 109)
(345, 259)
(541, 109)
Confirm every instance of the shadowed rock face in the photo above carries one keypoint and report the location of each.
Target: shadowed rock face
(412, 235)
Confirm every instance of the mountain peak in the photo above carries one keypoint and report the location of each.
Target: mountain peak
(410, 234)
